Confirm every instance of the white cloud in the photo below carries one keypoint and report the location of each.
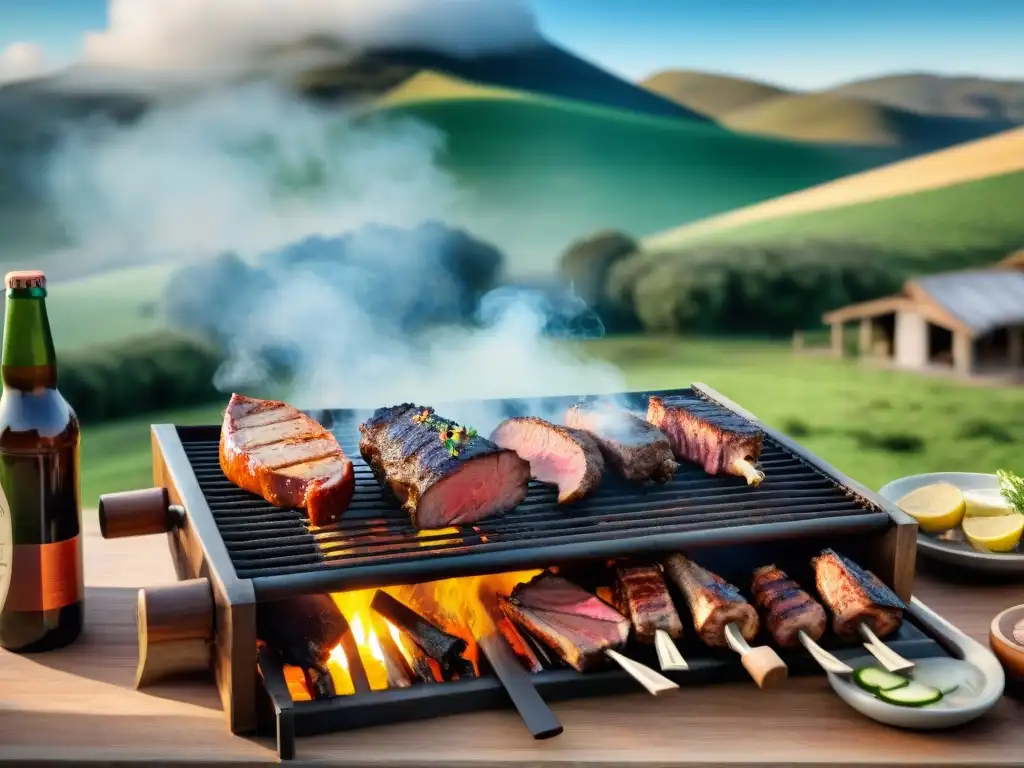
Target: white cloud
(191, 35)
(19, 61)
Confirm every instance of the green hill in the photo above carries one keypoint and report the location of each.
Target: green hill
(710, 93)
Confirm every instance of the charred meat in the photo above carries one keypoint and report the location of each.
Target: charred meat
(574, 623)
(642, 595)
(714, 603)
(277, 452)
(568, 458)
(787, 609)
(637, 449)
(856, 597)
(719, 441)
(442, 473)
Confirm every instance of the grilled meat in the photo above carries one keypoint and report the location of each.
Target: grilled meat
(443, 474)
(568, 458)
(574, 623)
(642, 595)
(275, 451)
(719, 441)
(714, 603)
(638, 450)
(787, 609)
(856, 597)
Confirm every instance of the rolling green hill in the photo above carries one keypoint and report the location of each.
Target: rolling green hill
(709, 93)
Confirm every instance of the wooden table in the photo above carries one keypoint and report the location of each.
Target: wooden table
(77, 706)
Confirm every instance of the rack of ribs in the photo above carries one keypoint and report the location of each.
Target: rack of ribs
(704, 433)
(787, 609)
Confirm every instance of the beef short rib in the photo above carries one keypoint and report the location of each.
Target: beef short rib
(442, 474)
(708, 435)
(277, 452)
(856, 597)
(637, 449)
(575, 624)
(568, 458)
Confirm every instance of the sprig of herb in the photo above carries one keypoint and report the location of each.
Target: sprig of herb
(1011, 487)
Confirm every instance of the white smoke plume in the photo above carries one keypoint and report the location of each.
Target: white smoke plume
(21, 61)
(206, 36)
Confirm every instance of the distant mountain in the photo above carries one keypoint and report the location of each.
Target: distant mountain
(803, 213)
(939, 95)
(709, 94)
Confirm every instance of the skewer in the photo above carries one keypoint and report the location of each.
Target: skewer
(762, 663)
(655, 683)
(886, 656)
(669, 657)
(746, 469)
(825, 660)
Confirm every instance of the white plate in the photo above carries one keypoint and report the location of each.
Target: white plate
(976, 671)
(955, 552)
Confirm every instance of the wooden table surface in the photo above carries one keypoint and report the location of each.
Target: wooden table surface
(78, 706)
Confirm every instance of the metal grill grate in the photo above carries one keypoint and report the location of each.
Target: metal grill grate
(374, 544)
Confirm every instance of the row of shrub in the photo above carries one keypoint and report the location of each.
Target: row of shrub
(770, 288)
(147, 374)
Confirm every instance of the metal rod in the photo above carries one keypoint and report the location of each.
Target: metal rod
(651, 540)
(537, 716)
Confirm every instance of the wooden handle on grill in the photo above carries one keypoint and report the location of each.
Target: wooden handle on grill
(765, 666)
(138, 513)
(176, 625)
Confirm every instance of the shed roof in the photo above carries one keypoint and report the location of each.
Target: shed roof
(984, 300)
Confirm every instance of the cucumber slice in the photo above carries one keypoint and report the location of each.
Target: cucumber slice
(911, 695)
(875, 679)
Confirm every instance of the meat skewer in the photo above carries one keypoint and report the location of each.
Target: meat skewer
(706, 434)
(578, 626)
(792, 616)
(723, 618)
(567, 458)
(637, 449)
(642, 595)
(861, 605)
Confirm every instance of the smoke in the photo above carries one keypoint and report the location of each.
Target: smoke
(224, 36)
(22, 61)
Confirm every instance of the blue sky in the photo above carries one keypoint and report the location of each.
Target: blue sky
(798, 43)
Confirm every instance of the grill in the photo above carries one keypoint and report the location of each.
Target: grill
(233, 551)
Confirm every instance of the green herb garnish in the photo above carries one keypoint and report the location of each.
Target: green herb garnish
(1011, 487)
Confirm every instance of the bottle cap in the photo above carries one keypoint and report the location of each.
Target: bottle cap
(26, 278)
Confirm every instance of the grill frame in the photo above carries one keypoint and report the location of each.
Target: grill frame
(199, 550)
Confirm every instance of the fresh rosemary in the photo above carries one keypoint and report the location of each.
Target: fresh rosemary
(1011, 487)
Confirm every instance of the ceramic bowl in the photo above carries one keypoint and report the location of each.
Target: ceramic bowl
(972, 668)
(1007, 649)
(958, 553)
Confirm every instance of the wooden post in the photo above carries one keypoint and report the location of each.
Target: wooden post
(963, 353)
(1016, 344)
(836, 339)
(865, 337)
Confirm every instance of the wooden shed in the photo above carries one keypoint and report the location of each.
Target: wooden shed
(970, 321)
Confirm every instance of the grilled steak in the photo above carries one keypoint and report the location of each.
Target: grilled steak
(638, 450)
(443, 474)
(574, 623)
(568, 458)
(719, 441)
(273, 450)
(714, 602)
(856, 597)
(642, 595)
(787, 609)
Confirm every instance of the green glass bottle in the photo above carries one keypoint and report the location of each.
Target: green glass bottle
(40, 502)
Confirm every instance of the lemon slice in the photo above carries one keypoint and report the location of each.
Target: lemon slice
(936, 508)
(988, 502)
(994, 534)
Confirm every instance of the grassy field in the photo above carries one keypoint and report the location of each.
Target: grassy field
(873, 425)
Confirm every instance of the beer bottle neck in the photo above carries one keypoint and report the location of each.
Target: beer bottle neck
(29, 361)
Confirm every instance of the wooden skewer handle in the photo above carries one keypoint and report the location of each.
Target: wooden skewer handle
(138, 513)
(176, 628)
(765, 667)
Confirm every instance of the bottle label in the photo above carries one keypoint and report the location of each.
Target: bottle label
(49, 576)
(6, 547)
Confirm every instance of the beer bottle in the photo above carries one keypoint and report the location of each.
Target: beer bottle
(40, 507)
